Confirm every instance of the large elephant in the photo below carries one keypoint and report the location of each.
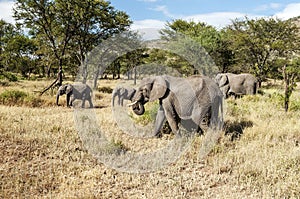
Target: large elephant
(189, 101)
(77, 91)
(123, 93)
(236, 84)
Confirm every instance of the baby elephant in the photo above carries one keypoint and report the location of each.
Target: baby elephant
(122, 93)
(78, 91)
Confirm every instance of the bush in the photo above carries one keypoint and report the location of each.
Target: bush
(19, 98)
(294, 105)
(10, 97)
(9, 76)
(105, 89)
(277, 99)
(149, 115)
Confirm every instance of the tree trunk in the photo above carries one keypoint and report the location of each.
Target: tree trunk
(57, 81)
(134, 75)
(96, 79)
(286, 88)
(60, 76)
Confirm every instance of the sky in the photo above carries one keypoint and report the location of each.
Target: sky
(149, 16)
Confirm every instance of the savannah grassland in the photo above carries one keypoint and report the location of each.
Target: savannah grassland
(42, 156)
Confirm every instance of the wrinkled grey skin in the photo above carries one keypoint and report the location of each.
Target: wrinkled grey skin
(122, 93)
(188, 101)
(78, 91)
(236, 84)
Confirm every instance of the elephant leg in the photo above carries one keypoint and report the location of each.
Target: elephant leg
(225, 91)
(159, 121)
(171, 116)
(83, 103)
(121, 100)
(72, 100)
(69, 103)
(91, 103)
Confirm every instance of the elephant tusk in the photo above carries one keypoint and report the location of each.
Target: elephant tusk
(131, 104)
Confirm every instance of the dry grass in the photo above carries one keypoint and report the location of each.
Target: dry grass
(43, 155)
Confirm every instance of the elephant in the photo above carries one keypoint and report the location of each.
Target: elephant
(77, 91)
(189, 101)
(236, 84)
(123, 93)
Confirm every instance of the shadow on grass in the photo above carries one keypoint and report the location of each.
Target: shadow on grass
(100, 106)
(235, 129)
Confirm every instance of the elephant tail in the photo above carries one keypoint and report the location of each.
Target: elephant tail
(216, 120)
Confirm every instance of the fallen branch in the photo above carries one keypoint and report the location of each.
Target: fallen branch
(59, 79)
(42, 92)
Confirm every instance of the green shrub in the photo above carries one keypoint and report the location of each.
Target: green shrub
(295, 105)
(20, 98)
(105, 89)
(149, 115)
(277, 98)
(10, 97)
(9, 76)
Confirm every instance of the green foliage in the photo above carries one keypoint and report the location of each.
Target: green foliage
(113, 147)
(277, 98)
(235, 110)
(9, 76)
(17, 52)
(12, 96)
(149, 115)
(105, 89)
(66, 30)
(19, 98)
(206, 36)
(258, 43)
(295, 105)
(114, 55)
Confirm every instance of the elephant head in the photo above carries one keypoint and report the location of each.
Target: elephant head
(150, 90)
(221, 79)
(64, 89)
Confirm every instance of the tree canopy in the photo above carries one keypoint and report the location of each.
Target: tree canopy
(68, 29)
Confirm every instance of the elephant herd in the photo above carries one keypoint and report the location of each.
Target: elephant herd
(195, 101)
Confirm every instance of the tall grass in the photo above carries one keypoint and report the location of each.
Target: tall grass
(42, 155)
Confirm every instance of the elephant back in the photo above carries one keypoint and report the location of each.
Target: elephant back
(79, 89)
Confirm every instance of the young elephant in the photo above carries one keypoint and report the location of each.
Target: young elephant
(78, 91)
(188, 101)
(123, 93)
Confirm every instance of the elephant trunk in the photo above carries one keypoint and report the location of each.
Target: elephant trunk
(137, 107)
(57, 99)
(113, 98)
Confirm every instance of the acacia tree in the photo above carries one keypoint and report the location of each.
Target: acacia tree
(258, 43)
(291, 74)
(103, 57)
(7, 31)
(69, 27)
(98, 21)
(17, 51)
(205, 35)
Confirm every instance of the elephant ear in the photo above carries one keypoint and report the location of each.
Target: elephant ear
(68, 88)
(159, 88)
(61, 88)
(223, 80)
